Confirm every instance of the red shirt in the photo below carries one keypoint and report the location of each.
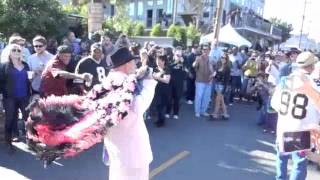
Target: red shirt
(53, 85)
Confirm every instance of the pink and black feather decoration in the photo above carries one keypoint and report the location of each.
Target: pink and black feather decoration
(64, 126)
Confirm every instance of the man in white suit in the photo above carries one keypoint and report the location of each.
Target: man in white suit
(128, 143)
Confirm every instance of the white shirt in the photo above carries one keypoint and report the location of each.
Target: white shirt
(37, 63)
(128, 143)
(296, 111)
(236, 59)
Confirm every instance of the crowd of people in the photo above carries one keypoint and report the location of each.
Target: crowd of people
(208, 77)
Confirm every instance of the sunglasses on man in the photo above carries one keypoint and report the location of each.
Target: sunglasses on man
(16, 50)
(38, 46)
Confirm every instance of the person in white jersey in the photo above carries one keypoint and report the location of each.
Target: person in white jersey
(296, 112)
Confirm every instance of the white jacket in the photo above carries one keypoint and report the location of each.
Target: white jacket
(128, 143)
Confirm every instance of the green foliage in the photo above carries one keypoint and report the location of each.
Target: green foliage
(172, 30)
(32, 17)
(181, 36)
(182, 33)
(120, 25)
(284, 26)
(156, 30)
(138, 29)
(121, 22)
(81, 10)
(193, 34)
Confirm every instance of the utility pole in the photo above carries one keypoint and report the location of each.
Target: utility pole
(217, 20)
(303, 18)
(174, 12)
(95, 16)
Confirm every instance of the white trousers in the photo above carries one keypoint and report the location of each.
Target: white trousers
(122, 173)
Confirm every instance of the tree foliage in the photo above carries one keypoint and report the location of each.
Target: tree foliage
(138, 29)
(172, 30)
(32, 17)
(182, 33)
(193, 34)
(156, 30)
(81, 10)
(284, 26)
(121, 22)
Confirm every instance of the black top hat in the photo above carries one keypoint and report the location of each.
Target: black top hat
(121, 56)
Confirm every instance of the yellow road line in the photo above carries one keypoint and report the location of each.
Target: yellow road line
(168, 163)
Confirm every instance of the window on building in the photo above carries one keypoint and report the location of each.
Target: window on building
(140, 8)
(112, 13)
(150, 3)
(159, 2)
(206, 14)
(169, 6)
(131, 9)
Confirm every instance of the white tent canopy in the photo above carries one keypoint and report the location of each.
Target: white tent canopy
(227, 35)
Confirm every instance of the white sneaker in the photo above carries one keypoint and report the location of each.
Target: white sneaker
(197, 115)
(175, 117)
(190, 102)
(167, 116)
(206, 114)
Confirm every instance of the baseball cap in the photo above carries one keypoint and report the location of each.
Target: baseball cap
(293, 51)
(305, 59)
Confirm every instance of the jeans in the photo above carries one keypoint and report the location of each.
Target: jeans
(262, 115)
(12, 106)
(299, 170)
(235, 87)
(203, 95)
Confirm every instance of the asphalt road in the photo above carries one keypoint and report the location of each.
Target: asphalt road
(185, 149)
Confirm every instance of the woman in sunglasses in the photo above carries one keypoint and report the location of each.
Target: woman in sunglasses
(16, 91)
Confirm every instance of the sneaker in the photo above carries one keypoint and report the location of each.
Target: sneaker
(205, 114)
(225, 116)
(159, 124)
(15, 139)
(190, 102)
(167, 116)
(197, 115)
(214, 117)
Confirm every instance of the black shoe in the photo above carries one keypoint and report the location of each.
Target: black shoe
(159, 123)
(212, 118)
(10, 148)
(259, 108)
(225, 117)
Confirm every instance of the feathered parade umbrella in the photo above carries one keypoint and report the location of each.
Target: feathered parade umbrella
(62, 127)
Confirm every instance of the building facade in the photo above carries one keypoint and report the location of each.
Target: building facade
(246, 16)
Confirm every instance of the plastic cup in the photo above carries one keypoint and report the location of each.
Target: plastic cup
(30, 74)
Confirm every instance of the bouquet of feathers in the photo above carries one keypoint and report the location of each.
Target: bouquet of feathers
(62, 127)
